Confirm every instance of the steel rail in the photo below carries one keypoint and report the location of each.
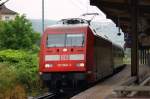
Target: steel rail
(47, 96)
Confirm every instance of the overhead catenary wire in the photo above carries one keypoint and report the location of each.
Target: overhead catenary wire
(79, 4)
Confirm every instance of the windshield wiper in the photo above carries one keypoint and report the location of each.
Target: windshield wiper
(82, 42)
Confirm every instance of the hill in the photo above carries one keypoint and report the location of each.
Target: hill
(37, 24)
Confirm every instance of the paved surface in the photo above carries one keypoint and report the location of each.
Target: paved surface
(104, 89)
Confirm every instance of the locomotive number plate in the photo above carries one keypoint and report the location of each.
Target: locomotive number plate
(64, 57)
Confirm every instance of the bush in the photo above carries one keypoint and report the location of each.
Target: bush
(10, 87)
(13, 56)
(19, 68)
(7, 77)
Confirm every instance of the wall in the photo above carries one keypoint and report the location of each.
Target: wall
(8, 17)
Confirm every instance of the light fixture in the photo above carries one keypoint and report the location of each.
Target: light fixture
(119, 33)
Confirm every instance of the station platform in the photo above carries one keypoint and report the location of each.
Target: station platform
(104, 90)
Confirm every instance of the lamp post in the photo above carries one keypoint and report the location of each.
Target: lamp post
(43, 16)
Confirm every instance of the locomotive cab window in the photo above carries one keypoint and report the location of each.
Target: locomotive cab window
(68, 39)
(75, 40)
(56, 40)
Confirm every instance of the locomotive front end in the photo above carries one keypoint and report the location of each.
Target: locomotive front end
(63, 56)
(64, 53)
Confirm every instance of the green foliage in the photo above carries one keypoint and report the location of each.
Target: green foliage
(7, 77)
(18, 55)
(13, 56)
(18, 34)
(19, 67)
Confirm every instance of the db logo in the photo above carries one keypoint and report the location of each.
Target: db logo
(64, 57)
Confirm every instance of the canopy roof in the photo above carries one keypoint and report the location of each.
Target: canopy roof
(120, 12)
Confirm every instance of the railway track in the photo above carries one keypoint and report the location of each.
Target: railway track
(47, 96)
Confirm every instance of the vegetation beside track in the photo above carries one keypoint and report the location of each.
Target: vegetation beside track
(19, 46)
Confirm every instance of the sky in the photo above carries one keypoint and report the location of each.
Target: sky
(54, 9)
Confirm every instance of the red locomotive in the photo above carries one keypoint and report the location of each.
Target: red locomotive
(72, 53)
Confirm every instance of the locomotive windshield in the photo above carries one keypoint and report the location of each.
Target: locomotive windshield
(56, 40)
(62, 40)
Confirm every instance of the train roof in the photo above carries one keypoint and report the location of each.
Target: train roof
(118, 46)
(101, 35)
(68, 25)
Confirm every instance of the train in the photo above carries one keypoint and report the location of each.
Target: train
(73, 54)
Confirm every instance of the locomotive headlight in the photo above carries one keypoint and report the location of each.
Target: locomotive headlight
(40, 73)
(48, 65)
(64, 50)
(80, 65)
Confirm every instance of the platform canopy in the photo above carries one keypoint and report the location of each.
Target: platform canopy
(120, 12)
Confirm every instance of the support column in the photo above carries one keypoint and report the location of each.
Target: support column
(134, 31)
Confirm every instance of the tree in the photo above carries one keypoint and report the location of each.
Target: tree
(1, 32)
(18, 34)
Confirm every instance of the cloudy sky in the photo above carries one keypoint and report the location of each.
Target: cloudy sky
(54, 9)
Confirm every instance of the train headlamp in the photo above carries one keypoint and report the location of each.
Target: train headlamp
(48, 65)
(65, 50)
(80, 65)
(40, 73)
